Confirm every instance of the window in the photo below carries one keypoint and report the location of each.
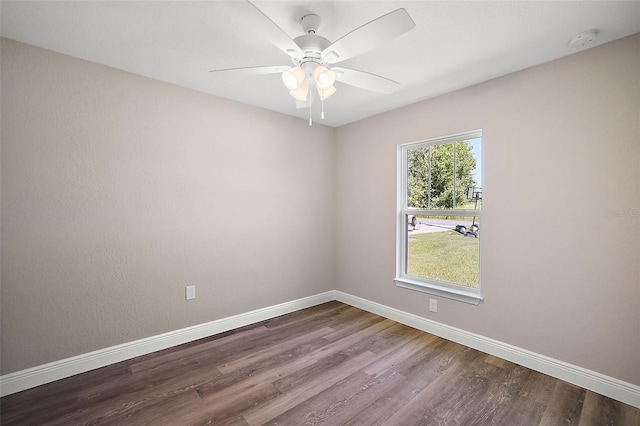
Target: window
(439, 209)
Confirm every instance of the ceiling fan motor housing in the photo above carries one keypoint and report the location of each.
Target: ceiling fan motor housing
(312, 46)
(311, 43)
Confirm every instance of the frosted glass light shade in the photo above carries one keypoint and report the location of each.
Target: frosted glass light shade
(302, 91)
(323, 77)
(325, 93)
(293, 78)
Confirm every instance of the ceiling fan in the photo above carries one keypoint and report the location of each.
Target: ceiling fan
(313, 56)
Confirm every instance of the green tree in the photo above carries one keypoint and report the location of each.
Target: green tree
(432, 176)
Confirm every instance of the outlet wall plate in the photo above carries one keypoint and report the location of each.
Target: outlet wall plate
(190, 292)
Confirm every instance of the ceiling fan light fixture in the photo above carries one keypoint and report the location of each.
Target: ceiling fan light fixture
(302, 92)
(325, 93)
(293, 78)
(323, 77)
(313, 55)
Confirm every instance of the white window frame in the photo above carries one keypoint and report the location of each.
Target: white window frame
(402, 279)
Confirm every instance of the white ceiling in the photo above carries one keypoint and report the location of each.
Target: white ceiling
(454, 44)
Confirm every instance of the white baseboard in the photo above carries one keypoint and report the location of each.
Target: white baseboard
(39, 375)
(596, 382)
(591, 380)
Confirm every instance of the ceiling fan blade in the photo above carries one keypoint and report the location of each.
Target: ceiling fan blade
(365, 80)
(270, 69)
(369, 36)
(265, 28)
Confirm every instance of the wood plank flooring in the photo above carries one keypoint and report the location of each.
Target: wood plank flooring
(331, 364)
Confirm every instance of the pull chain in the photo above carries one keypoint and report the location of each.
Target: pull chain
(310, 103)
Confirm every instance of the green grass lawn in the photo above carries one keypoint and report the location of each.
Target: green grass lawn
(445, 256)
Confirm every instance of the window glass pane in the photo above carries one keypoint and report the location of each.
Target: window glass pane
(441, 176)
(444, 248)
(418, 177)
(445, 176)
(469, 174)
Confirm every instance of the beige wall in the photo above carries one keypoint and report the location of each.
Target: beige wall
(119, 190)
(561, 146)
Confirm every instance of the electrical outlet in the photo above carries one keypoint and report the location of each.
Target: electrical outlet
(190, 292)
(433, 305)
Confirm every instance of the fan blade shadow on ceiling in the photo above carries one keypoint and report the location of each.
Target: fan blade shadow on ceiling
(369, 36)
(365, 80)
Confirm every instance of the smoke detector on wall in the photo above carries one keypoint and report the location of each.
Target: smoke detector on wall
(584, 40)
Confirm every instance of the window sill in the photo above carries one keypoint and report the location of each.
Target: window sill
(449, 293)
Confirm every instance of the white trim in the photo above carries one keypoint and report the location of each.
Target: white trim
(591, 380)
(423, 284)
(596, 382)
(473, 298)
(472, 134)
(39, 375)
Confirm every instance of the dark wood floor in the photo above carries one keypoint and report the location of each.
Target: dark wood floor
(331, 364)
